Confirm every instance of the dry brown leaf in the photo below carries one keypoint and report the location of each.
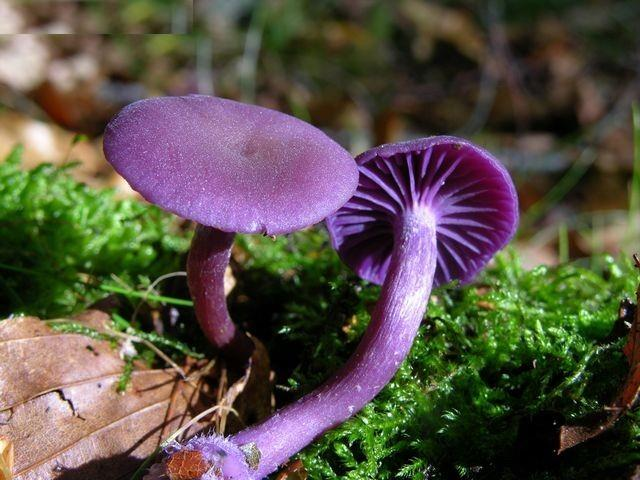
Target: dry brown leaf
(571, 435)
(60, 408)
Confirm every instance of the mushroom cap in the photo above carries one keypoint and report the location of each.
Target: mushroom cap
(229, 165)
(470, 194)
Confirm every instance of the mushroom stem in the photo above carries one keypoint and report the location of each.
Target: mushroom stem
(385, 344)
(208, 259)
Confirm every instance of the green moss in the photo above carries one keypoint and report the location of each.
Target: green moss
(516, 345)
(486, 359)
(60, 239)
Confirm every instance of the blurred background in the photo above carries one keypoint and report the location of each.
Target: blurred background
(547, 85)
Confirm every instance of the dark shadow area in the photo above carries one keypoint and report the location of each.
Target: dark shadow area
(294, 317)
(119, 467)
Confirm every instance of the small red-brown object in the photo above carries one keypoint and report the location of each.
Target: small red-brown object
(293, 471)
(187, 465)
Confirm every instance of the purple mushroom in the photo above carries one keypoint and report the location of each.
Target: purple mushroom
(230, 167)
(425, 212)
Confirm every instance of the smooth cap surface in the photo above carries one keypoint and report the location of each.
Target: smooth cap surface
(469, 192)
(229, 165)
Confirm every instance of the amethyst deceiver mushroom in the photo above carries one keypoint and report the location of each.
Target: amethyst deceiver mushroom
(232, 168)
(425, 212)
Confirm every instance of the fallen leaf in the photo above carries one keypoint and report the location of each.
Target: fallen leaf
(571, 435)
(60, 408)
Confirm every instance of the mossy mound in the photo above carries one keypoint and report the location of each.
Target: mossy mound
(61, 239)
(494, 365)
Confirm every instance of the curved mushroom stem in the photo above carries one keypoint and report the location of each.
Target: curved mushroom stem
(385, 344)
(208, 259)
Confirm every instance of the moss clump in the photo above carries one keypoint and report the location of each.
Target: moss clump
(60, 239)
(489, 357)
(518, 345)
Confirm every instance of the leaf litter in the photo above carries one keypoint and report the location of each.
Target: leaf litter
(63, 414)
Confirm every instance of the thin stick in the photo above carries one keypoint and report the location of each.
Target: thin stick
(201, 415)
(150, 289)
(202, 371)
(134, 293)
(156, 350)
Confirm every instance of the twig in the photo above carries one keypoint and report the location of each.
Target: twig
(222, 386)
(128, 291)
(151, 288)
(202, 371)
(147, 343)
(232, 394)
